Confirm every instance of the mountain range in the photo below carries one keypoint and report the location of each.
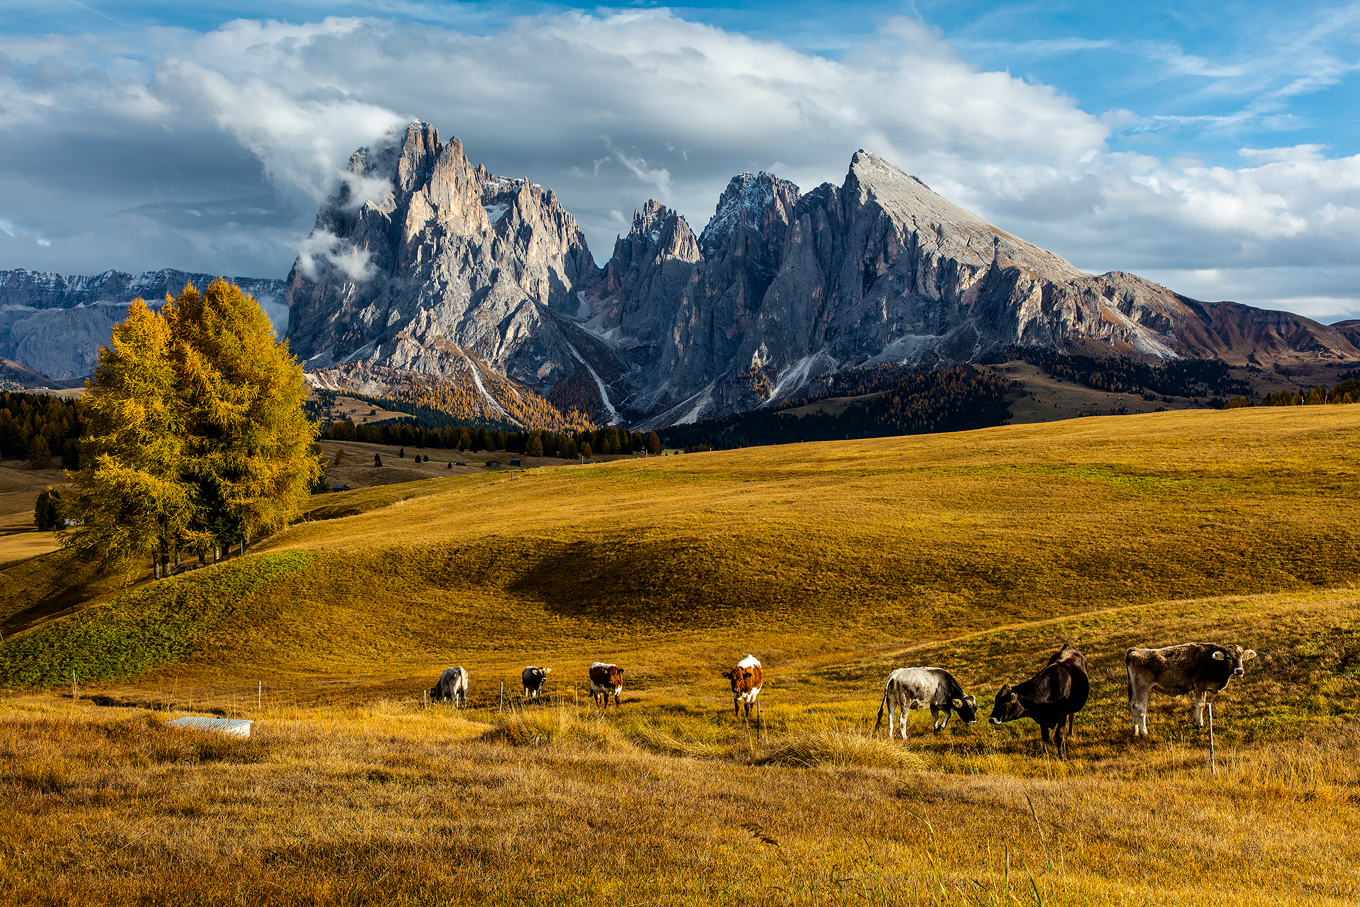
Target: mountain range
(430, 277)
(433, 271)
(55, 324)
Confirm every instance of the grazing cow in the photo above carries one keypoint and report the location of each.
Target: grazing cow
(604, 680)
(746, 679)
(1052, 696)
(534, 679)
(1194, 667)
(916, 688)
(1069, 654)
(453, 684)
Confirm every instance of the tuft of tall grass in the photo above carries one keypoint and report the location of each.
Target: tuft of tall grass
(561, 724)
(826, 745)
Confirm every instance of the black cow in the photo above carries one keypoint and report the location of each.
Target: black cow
(534, 680)
(1052, 696)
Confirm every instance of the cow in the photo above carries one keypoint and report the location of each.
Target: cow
(1193, 667)
(453, 684)
(1069, 654)
(604, 680)
(534, 679)
(1052, 696)
(746, 679)
(916, 688)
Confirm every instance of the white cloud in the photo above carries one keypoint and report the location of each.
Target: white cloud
(607, 109)
(323, 248)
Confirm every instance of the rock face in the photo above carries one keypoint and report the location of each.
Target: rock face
(56, 324)
(426, 265)
(882, 269)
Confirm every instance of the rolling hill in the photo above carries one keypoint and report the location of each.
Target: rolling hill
(978, 551)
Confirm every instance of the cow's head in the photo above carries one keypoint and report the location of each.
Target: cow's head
(966, 708)
(1233, 657)
(615, 675)
(742, 679)
(1008, 706)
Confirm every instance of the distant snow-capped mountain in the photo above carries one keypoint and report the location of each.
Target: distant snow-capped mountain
(56, 324)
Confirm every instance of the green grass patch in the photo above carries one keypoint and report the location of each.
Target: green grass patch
(139, 630)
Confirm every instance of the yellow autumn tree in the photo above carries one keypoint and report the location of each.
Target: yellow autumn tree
(129, 496)
(196, 431)
(248, 443)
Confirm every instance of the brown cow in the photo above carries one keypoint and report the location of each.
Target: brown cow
(604, 680)
(1193, 667)
(746, 679)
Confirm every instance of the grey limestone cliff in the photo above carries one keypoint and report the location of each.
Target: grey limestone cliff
(425, 264)
(428, 265)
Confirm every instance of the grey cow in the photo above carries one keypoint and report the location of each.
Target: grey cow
(917, 688)
(1193, 667)
(453, 684)
(534, 680)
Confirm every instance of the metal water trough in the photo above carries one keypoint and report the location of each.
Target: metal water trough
(232, 727)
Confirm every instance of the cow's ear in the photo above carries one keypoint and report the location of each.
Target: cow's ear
(547, 670)
(620, 670)
(1218, 655)
(970, 699)
(1249, 655)
(958, 703)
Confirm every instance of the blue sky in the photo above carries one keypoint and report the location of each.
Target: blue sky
(1213, 147)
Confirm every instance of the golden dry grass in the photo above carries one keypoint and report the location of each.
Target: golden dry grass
(833, 563)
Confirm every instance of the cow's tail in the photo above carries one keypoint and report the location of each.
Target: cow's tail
(1128, 672)
(881, 706)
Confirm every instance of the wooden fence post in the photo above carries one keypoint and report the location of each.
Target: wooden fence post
(501, 708)
(1213, 759)
(259, 697)
(75, 692)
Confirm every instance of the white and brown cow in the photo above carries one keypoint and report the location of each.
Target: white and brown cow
(746, 679)
(453, 684)
(1193, 667)
(605, 679)
(917, 688)
(534, 680)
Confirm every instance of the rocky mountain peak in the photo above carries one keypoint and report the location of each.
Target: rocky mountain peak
(751, 201)
(950, 229)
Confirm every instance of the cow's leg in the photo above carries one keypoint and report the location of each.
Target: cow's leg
(935, 718)
(736, 707)
(1138, 703)
(1198, 711)
(1060, 741)
(1043, 733)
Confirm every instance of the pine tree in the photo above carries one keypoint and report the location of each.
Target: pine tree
(377, 460)
(47, 512)
(39, 452)
(654, 444)
(535, 446)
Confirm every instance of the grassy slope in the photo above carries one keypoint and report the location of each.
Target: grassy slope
(832, 563)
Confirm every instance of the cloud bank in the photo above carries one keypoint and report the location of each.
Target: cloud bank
(170, 148)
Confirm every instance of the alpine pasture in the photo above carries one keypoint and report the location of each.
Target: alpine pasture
(834, 563)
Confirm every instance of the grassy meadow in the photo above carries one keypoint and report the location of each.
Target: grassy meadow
(833, 563)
